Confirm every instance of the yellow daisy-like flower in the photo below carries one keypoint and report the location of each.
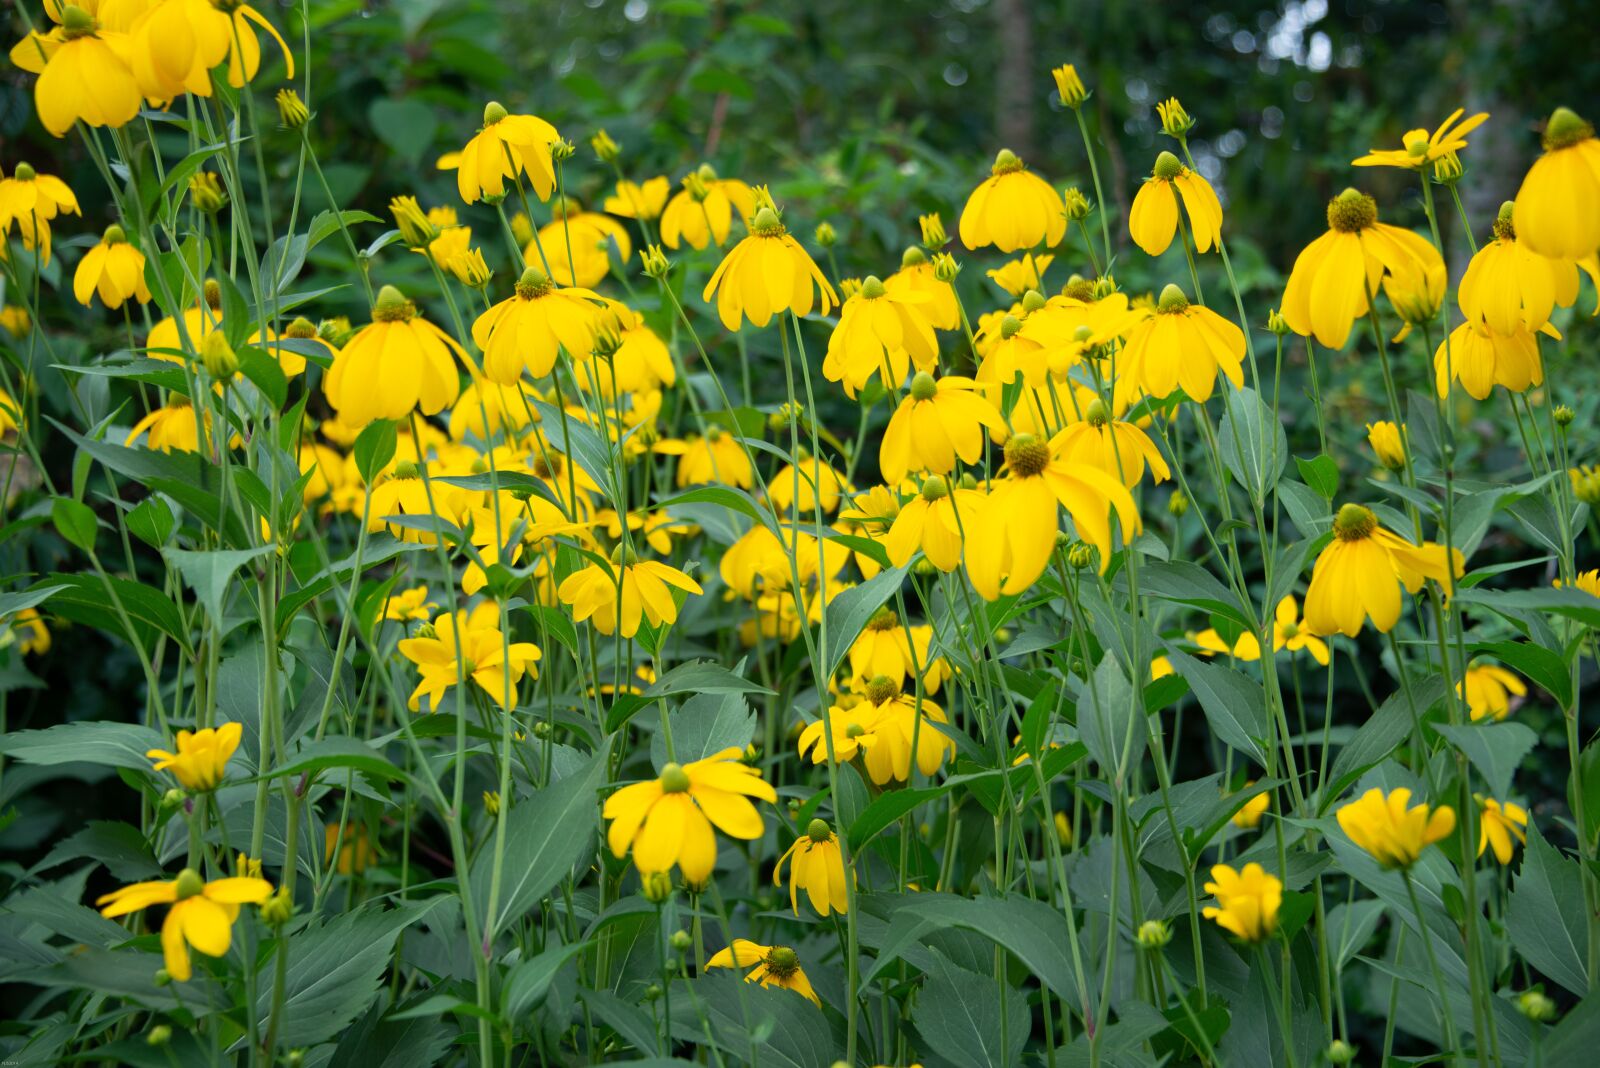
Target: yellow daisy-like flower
(817, 866)
(773, 966)
(468, 645)
(1498, 823)
(528, 330)
(1587, 581)
(1289, 633)
(702, 211)
(202, 756)
(916, 279)
(1010, 544)
(717, 458)
(634, 200)
(1364, 568)
(1114, 446)
(507, 146)
(1388, 443)
(113, 269)
(794, 487)
(767, 274)
(1488, 690)
(355, 851)
(28, 631)
(1247, 901)
(1016, 277)
(669, 820)
(643, 588)
(892, 721)
(1392, 830)
(933, 521)
(395, 364)
(1012, 209)
(410, 606)
(30, 200)
(1182, 344)
(1250, 813)
(201, 915)
(1334, 276)
(1557, 212)
(85, 77)
(1153, 219)
(172, 427)
(879, 333)
(852, 730)
(1512, 289)
(1480, 359)
(937, 422)
(1422, 148)
(179, 42)
(577, 246)
(508, 408)
(1210, 642)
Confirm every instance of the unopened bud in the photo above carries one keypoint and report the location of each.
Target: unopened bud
(278, 909)
(221, 362)
(681, 941)
(945, 268)
(826, 236)
(1153, 934)
(292, 111)
(933, 233)
(605, 149)
(655, 262)
(656, 887)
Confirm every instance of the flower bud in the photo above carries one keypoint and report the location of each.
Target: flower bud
(1076, 206)
(1063, 830)
(563, 150)
(205, 190)
(542, 729)
(653, 992)
(933, 234)
(1069, 87)
(470, 269)
(1178, 504)
(278, 909)
(162, 977)
(159, 1035)
(1175, 122)
(292, 111)
(656, 887)
(1277, 324)
(172, 798)
(681, 941)
(945, 268)
(220, 361)
(1563, 416)
(1341, 1052)
(1536, 1005)
(605, 149)
(1153, 934)
(412, 222)
(491, 802)
(826, 236)
(655, 262)
(1080, 555)
(1447, 169)
(1388, 444)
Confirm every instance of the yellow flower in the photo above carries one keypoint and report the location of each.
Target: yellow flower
(937, 422)
(1480, 359)
(1498, 823)
(114, 269)
(1557, 211)
(468, 645)
(578, 247)
(84, 77)
(14, 319)
(1250, 813)
(1018, 276)
(31, 200)
(1010, 543)
(702, 211)
(852, 730)
(773, 966)
(507, 146)
(817, 866)
(1247, 901)
(395, 364)
(202, 756)
(1587, 581)
(793, 487)
(1416, 296)
(1289, 633)
(1175, 121)
(1333, 276)
(718, 458)
(767, 274)
(1362, 571)
(930, 522)
(508, 408)
(641, 361)
(1422, 148)
(669, 820)
(1114, 446)
(469, 268)
(527, 330)
(177, 43)
(410, 605)
(1388, 443)
(201, 915)
(1182, 344)
(1012, 209)
(170, 428)
(356, 852)
(1488, 689)
(1210, 643)
(1395, 835)
(889, 717)
(917, 283)
(1069, 86)
(879, 333)
(27, 630)
(1511, 288)
(1154, 217)
(642, 202)
(626, 592)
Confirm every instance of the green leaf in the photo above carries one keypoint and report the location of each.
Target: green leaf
(1233, 704)
(340, 751)
(788, 1030)
(1189, 584)
(546, 836)
(119, 846)
(848, 613)
(1545, 916)
(264, 371)
(1107, 714)
(1253, 444)
(1495, 749)
(407, 126)
(12, 603)
(209, 574)
(885, 809)
(1321, 473)
(374, 448)
(151, 521)
(735, 500)
(75, 521)
(116, 745)
(697, 676)
(1544, 666)
(963, 1015)
(707, 724)
(1572, 603)
(1375, 739)
(529, 980)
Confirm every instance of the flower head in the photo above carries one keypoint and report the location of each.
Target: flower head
(767, 274)
(84, 72)
(528, 330)
(669, 820)
(1182, 345)
(1422, 148)
(1288, 632)
(702, 211)
(1388, 443)
(1488, 690)
(1250, 813)
(201, 915)
(625, 593)
(113, 270)
(1391, 829)
(773, 966)
(816, 866)
(1498, 823)
(1069, 86)
(468, 645)
(507, 146)
(644, 202)
(1557, 210)
(1012, 209)
(202, 756)
(394, 365)
(1362, 571)
(1154, 217)
(1510, 288)
(1247, 901)
(879, 333)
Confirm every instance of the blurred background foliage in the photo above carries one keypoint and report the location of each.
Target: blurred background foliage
(867, 114)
